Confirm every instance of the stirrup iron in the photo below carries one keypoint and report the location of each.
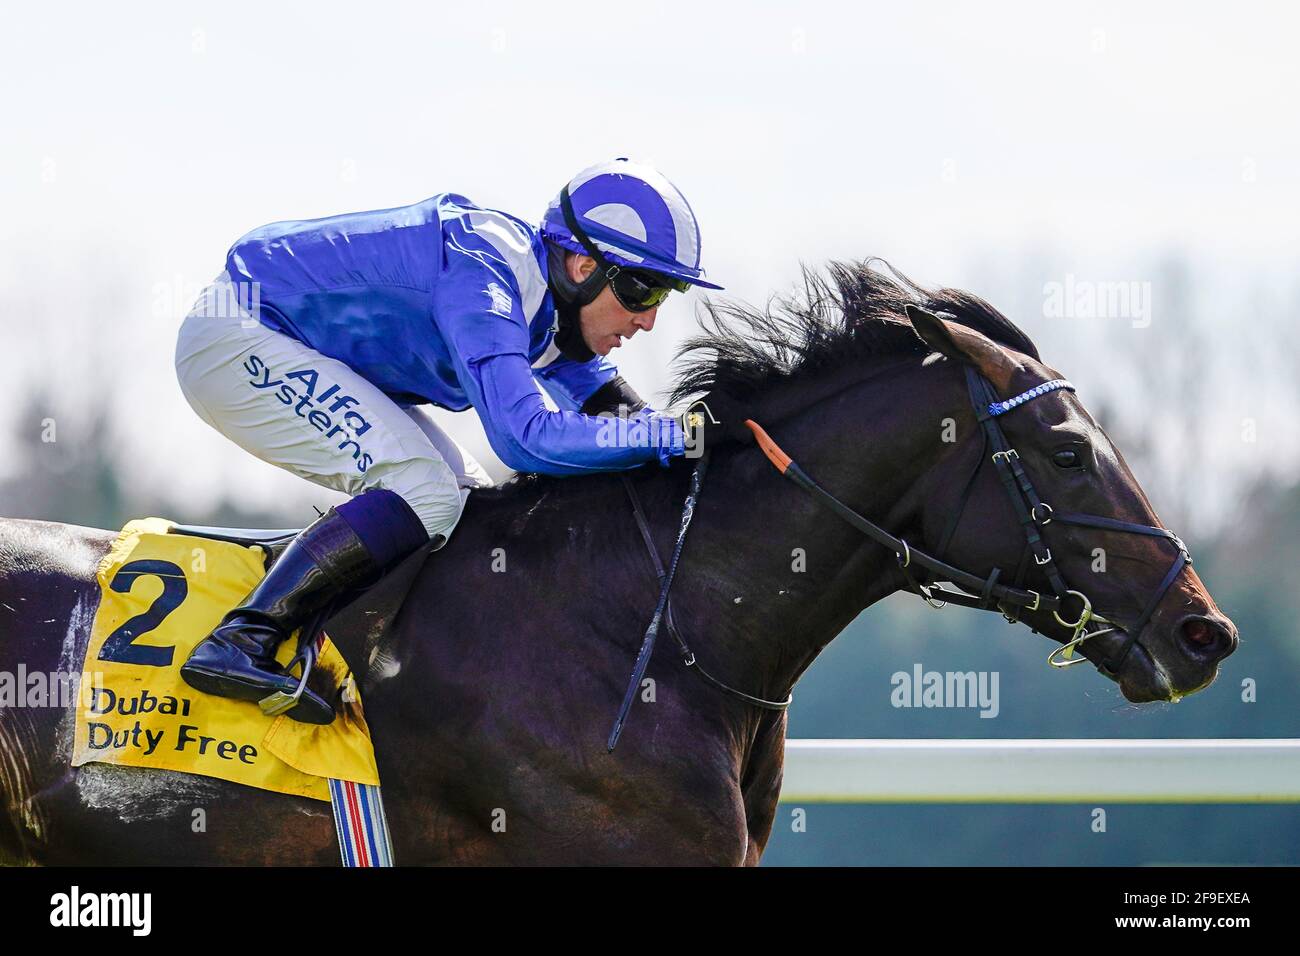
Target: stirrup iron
(279, 702)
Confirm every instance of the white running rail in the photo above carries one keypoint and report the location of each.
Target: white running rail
(1042, 771)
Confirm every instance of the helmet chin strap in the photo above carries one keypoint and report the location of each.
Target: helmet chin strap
(570, 297)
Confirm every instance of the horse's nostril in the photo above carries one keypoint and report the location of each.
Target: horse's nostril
(1199, 632)
(1206, 637)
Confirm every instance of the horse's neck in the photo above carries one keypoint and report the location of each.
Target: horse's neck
(770, 576)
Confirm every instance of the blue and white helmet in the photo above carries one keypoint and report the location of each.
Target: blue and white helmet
(636, 218)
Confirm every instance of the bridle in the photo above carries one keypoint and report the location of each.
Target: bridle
(986, 592)
(1035, 514)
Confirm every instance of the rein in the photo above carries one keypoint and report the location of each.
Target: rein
(986, 593)
(664, 610)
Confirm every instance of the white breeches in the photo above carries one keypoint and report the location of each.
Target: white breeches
(314, 416)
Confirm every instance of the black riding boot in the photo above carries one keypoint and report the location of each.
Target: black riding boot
(238, 658)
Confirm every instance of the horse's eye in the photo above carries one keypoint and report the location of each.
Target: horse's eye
(1067, 458)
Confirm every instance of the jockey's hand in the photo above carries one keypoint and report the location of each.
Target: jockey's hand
(714, 419)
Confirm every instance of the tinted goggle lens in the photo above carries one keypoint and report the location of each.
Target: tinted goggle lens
(640, 291)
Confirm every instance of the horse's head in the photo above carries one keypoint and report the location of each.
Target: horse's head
(1061, 480)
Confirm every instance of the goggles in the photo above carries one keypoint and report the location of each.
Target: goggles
(639, 291)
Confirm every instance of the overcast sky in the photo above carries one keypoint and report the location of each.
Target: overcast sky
(1001, 147)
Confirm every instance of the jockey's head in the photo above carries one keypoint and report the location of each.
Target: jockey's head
(620, 237)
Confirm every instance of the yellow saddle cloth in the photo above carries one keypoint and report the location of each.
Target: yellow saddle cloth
(161, 594)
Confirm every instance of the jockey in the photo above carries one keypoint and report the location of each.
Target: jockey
(318, 345)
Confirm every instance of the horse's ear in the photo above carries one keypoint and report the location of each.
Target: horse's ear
(955, 341)
(934, 332)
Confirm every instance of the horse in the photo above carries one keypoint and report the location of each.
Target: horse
(490, 691)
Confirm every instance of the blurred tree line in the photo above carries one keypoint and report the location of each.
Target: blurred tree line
(68, 469)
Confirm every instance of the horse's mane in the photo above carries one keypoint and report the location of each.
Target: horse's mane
(852, 313)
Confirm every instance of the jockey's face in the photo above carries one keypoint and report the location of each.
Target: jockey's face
(605, 323)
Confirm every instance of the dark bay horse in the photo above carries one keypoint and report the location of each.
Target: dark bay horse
(491, 693)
